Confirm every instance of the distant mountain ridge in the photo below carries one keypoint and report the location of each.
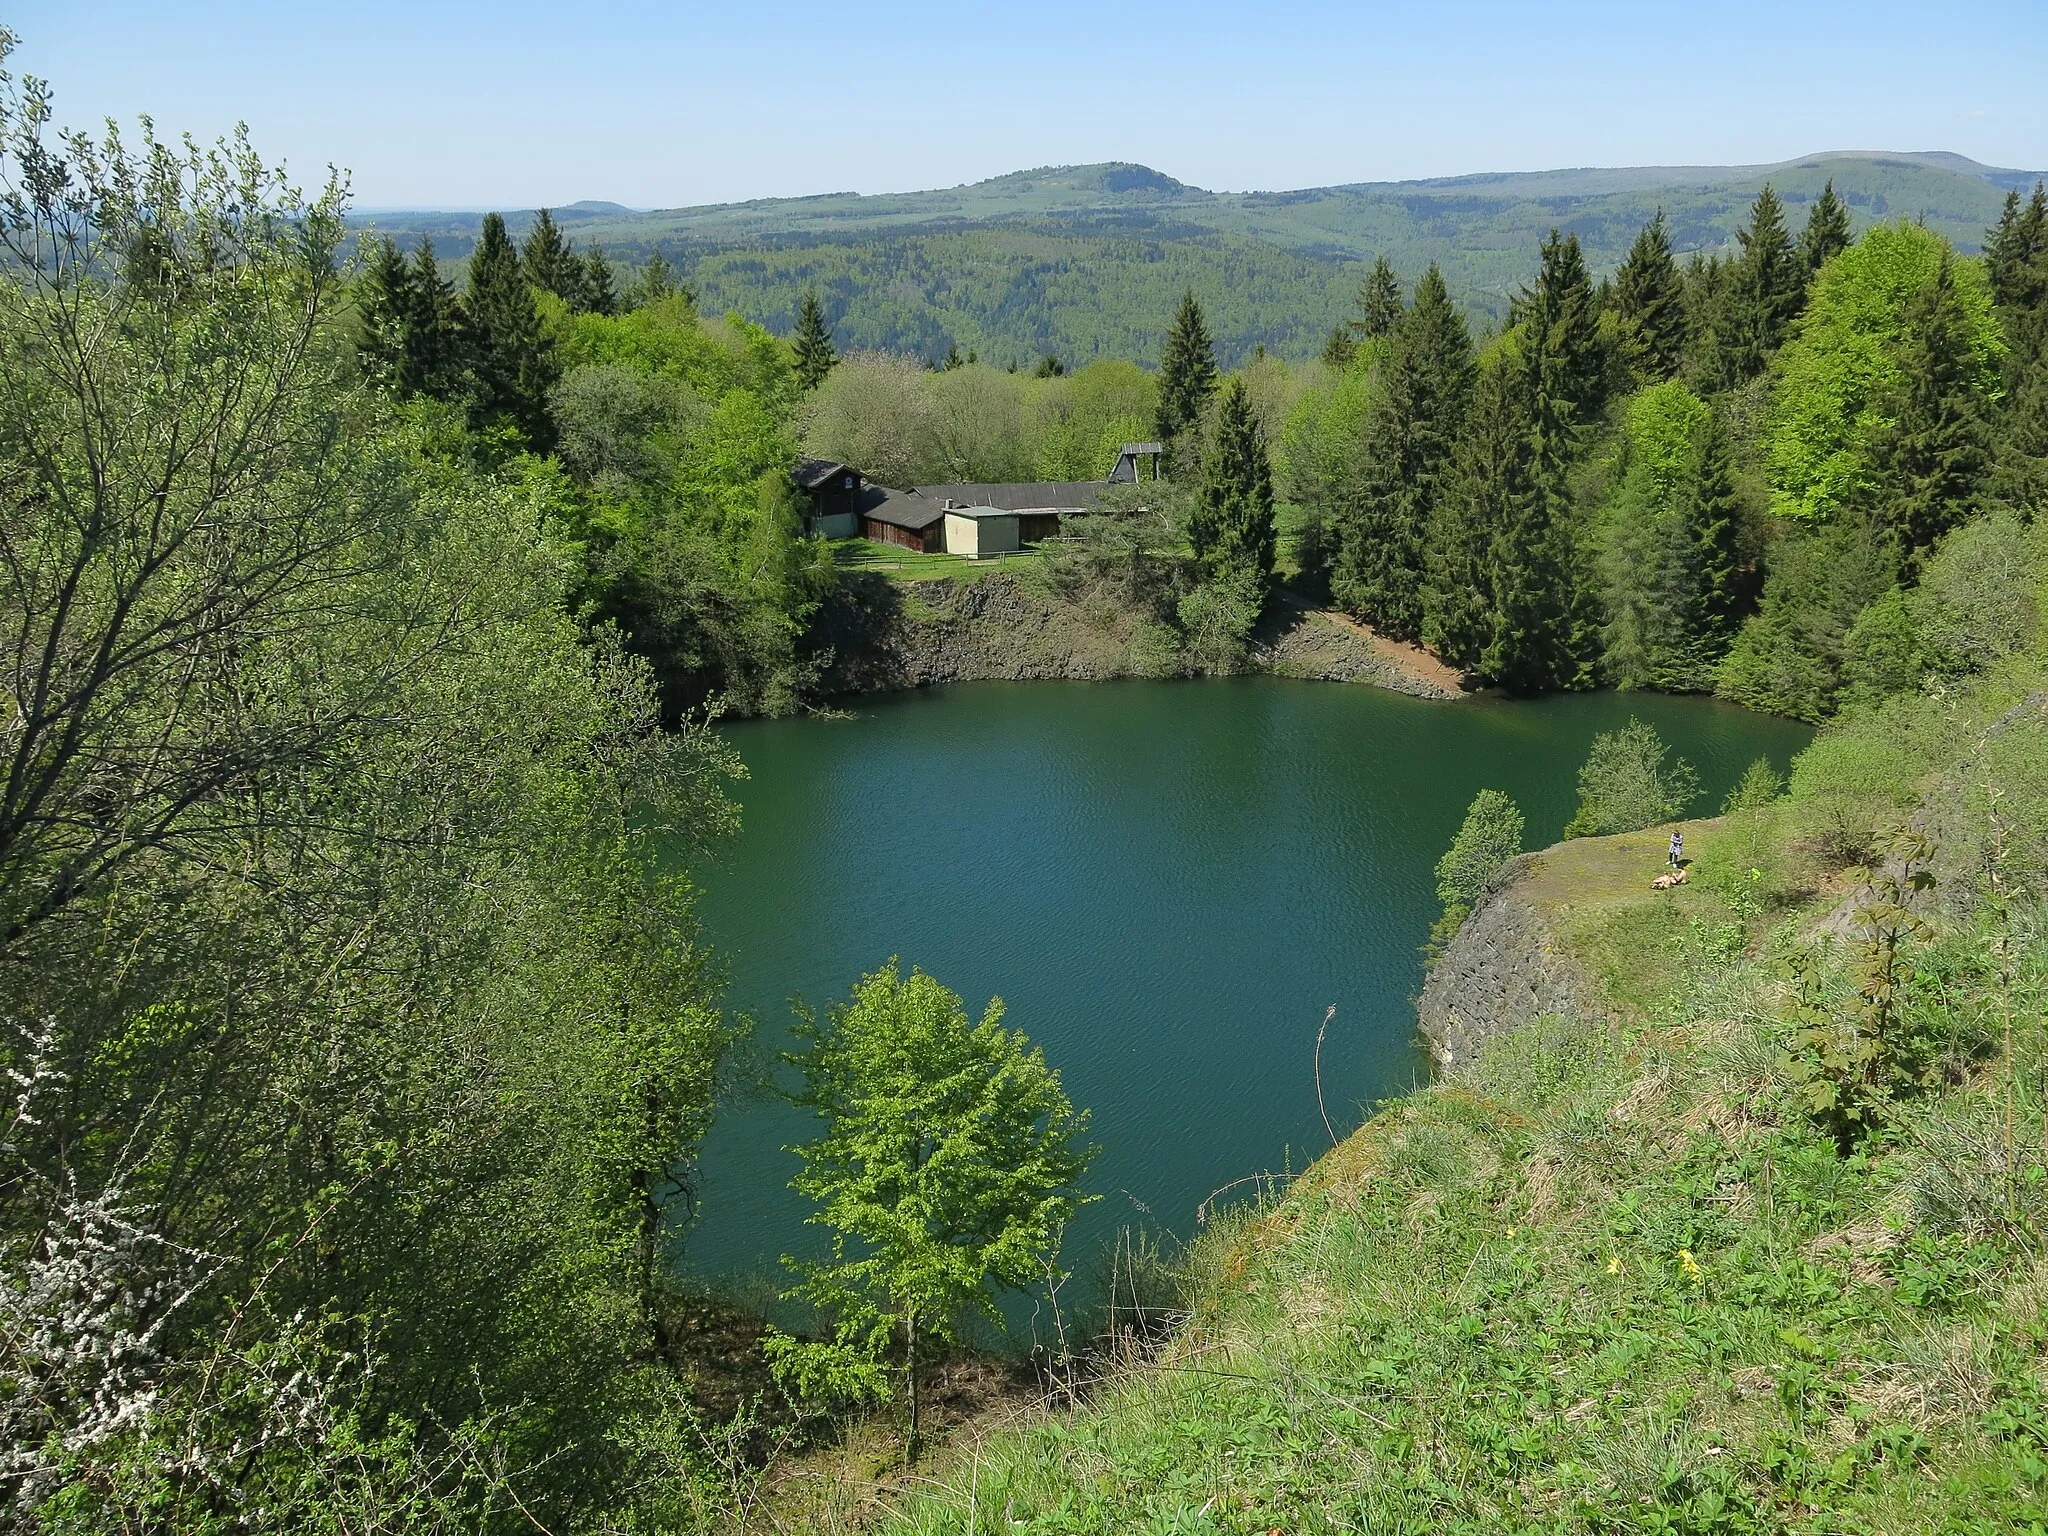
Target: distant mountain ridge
(1086, 260)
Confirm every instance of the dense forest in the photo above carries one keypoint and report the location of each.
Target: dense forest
(1087, 261)
(364, 629)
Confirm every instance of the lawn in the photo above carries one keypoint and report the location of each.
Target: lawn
(907, 565)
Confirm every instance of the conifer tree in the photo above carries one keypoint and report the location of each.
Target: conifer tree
(2016, 252)
(515, 366)
(1767, 288)
(1826, 233)
(598, 293)
(1409, 440)
(1340, 351)
(1565, 369)
(384, 299)
(1231, 524)
(1542, 626)
(1487, 487)
(812, 342)
(549, 261)
(1379, 302)
(1706, 298)
(655, 282)
(437, 336)
(2019, 472)
(1187, 374)
(1713, 516)
(1649, 303)
(1932, 458)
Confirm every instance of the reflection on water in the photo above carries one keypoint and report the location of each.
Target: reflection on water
(1167, 883)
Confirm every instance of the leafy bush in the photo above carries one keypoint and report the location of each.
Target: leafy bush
(1625, 785)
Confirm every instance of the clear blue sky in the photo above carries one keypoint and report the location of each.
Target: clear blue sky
(514, 104)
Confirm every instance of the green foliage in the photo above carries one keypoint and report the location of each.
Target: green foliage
(1649, 304)
(1845, 365)
(1765, 289)
(1490, 835)
(1488, 489)
(1230, 528)
(948, 1164)
(1425, 380)
(812, 343)
(1626, 785)
(1669, 545)
(514, 364)
(1187, 373)
(1826, 234)
(1378, 304)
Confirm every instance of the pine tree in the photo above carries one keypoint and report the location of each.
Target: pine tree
(1649, 303)
(655, 282)
(1706, 298)
(550, 263)
(1713, 518)
(1340, 351)
(2016, 252)
(812, 343)
(1231, 526)
(437, 336)
(1187, 375)
(599, 293)
(1932, 458)
(1826, 233)
(384, 299)
(1409, 440)
(1542, 624)
(1566, 372)
(1767, 288)
(1379, 302)
(2019, 473)
(1487, 487)
(515, 366)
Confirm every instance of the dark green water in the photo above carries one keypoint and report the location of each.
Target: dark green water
(1167, 883)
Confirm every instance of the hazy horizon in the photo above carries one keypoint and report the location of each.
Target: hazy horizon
(463, 106)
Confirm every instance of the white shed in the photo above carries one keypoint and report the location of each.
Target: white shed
(978, 531)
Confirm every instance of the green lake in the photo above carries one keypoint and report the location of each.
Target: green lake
(1168, 883)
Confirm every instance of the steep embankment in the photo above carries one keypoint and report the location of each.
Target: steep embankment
(886, 635)
(1715, 1226)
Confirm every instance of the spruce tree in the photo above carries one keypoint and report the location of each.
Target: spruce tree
(2016, 252)
(2019, 472)
(1379, 302)
(812, 342)
(1932, 457)
(655, 282)
(1706, 300)
(1541, 621)
(384, 300)
(1409, 440)
(1231, 525)
(1826, 233)
(549, 261)
(1340, 350)
(437, 337)
(1649, 303)
(1768, 285)
(514, 363)
(1187, 375)
(1566, 371)
(599, 293)
(1486, 488)
(1713, 519)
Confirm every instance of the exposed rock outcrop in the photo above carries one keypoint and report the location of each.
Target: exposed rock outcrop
(1504, 968)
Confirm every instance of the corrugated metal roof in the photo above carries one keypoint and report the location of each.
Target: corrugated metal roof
(1049, 496)
(899, 509)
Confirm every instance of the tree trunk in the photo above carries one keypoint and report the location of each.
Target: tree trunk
(910, 1442)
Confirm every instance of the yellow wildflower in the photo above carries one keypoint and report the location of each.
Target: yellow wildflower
(1689, 1266)
(1614, 1266)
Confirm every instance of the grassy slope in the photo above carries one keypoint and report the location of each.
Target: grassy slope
(1616, 1278)
(1087, 261)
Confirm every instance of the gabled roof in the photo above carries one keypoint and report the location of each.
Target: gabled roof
(1049, 496)
(1141, 448)
(900, 509)
(809, 474)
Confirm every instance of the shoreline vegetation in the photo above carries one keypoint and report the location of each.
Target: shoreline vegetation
(363, 632)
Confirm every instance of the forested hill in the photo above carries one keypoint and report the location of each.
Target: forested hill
(1086, 261)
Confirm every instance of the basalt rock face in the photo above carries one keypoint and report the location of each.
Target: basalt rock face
(884, 635)
(1504, 968)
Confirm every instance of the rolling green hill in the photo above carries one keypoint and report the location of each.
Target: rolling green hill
(1086, 261)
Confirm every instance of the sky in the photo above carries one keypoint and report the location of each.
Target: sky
(518, 104)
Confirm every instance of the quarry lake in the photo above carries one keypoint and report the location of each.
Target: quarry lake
(1168, 883)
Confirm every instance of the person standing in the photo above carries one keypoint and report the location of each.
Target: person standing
(1677, 849)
